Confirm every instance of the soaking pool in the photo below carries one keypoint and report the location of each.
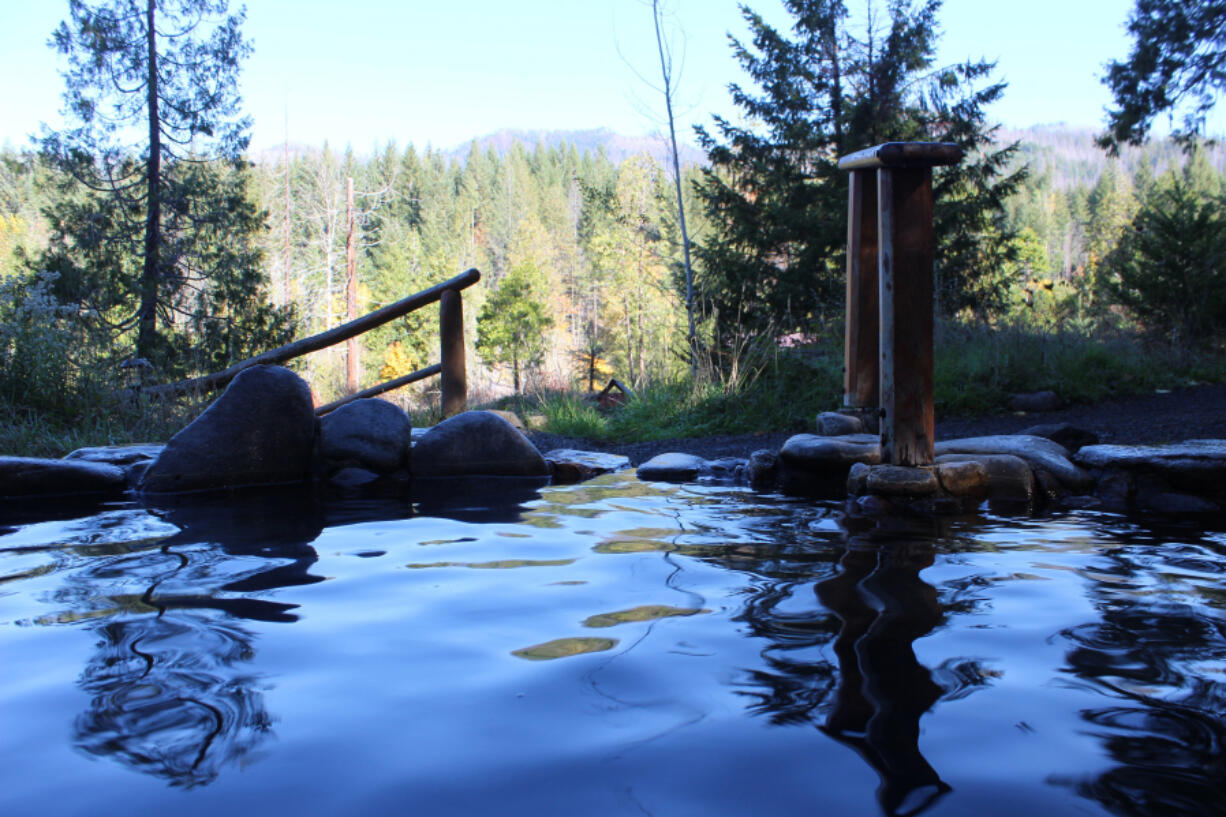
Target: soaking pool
(615, 647)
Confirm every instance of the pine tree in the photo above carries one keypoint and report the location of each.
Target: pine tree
(142, 232)
(1177, 63)
(777, 199)
(1170, 269)
(512, 322)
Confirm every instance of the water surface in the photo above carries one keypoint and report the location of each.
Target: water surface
(615, 647)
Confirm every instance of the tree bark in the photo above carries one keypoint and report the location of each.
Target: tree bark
(147, 317)
(666, 72)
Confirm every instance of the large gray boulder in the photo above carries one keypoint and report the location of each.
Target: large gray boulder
(32, 476)
(372, 434)
(476, 443)
(1038, 451)
(261, 431)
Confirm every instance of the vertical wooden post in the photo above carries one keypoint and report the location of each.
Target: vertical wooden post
(351, 291)
(905, 249)
(905, 199)
(454, 378)
(860, 383)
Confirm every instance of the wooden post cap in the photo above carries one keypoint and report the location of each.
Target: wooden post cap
(903, 154)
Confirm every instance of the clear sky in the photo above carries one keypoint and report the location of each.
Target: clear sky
(435, 72)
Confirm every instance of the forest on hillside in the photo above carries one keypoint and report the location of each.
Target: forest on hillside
(191, 256)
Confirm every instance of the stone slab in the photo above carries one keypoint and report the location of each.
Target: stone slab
(34, 476)
(1038, 451)
(571, 465)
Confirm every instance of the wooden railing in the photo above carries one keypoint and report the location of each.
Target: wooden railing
(450, 368)
(888, 355)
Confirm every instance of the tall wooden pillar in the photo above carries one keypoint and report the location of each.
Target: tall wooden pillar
(906, 297)
(905, 248)
(860, 383)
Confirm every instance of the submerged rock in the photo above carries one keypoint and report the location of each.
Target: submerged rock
(476, 443)
(570, 465)
(370, 433)
(261, 431)
(33, 476)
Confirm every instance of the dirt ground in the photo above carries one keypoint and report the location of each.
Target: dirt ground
(1182, 414)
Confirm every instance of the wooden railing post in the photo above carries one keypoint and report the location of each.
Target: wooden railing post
(860, 383)
(454, 377)
(905, 248)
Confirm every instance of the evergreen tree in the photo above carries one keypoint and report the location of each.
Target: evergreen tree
(1170, 268)
(512, 322)
(777, 199)
(136, 233)
(1178, 63)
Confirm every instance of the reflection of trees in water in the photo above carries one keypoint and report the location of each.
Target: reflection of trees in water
(168, 697)
(1160, 627)
(870, 606)
(171, 692)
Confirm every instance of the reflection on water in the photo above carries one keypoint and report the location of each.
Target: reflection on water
(1154, 654)
(171, 689)
(869, 605)
(645, 614)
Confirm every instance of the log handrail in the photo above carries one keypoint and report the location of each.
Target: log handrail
(451, 367)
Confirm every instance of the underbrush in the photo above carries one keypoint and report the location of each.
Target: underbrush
(977, 370)
(26, 432)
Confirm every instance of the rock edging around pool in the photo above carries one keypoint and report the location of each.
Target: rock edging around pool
(1054, 465)
(262, 431)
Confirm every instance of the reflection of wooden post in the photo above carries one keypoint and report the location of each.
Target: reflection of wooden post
(860, 353)
(454, 385)
(905, 255)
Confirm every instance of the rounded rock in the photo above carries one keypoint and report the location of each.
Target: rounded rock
(476, 443)
(370, 433)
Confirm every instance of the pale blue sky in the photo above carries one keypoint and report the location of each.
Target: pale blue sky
(369, 71)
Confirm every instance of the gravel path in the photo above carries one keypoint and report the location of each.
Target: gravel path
(1182, 414)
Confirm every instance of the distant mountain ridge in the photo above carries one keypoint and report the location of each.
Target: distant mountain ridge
(1067, 154)
(1070, 156)
(617, 146)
